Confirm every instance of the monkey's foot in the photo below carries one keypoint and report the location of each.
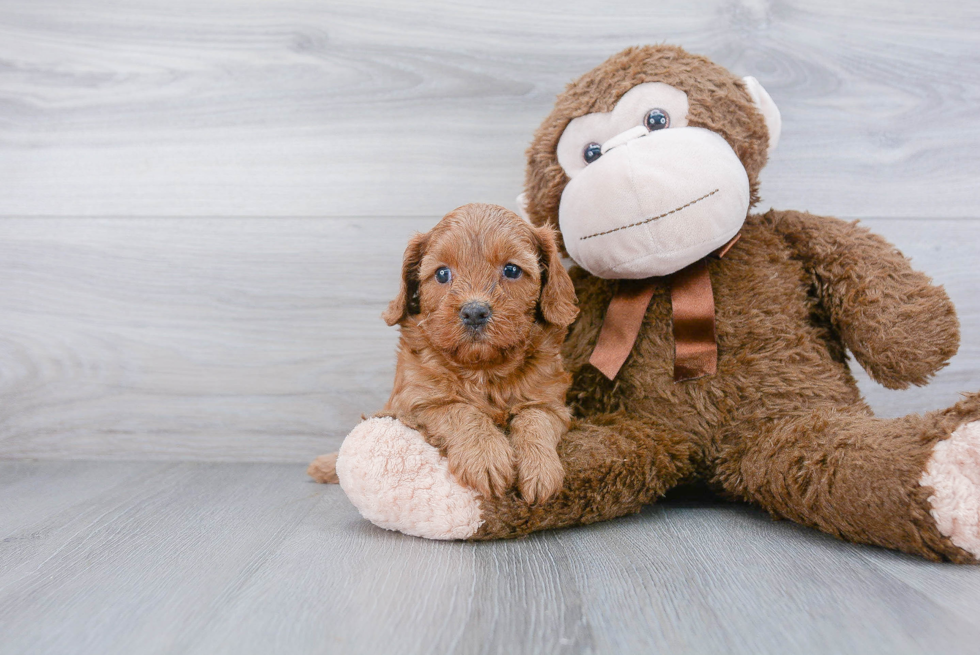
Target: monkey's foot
(399, 482)
(953, 472)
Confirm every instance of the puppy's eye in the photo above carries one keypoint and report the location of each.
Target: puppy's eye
(443, 275)
(656, 119)
(592, 152)
(512, 271)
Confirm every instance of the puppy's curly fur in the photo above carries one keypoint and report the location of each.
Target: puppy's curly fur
(490, 395)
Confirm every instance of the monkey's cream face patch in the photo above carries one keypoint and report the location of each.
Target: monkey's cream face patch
(631, 111)
(654, 204)
(647, 197)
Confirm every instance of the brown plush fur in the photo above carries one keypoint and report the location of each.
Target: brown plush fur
(492, 399)
(782, 423)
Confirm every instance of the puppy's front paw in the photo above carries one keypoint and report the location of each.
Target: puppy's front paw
(539, 474)
(486, 464)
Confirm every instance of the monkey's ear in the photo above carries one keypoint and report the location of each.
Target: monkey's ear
(768, 109)
(522, 207)
(557, 303)
(407, 300)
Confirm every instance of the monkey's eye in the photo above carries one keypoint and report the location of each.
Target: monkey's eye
(656, 119)
(512, 271)
(592, 152)
(443, 275)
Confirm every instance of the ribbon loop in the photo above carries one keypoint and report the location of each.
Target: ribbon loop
(693, 303)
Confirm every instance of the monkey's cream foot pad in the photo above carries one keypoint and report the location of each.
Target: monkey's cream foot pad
(953, 472)
(399, 482)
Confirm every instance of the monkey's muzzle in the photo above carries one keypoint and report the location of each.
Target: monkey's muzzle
(654, 203)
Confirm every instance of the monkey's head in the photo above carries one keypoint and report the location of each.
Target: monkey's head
(650, 161)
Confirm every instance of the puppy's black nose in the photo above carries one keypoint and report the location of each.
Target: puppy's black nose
(475, 314)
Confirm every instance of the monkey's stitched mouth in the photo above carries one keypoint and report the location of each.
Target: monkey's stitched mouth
(650, 220)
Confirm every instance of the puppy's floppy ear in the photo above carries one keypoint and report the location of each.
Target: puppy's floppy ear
(557, 303)
(407, 300)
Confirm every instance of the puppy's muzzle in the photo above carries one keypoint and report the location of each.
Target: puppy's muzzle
(475, 314)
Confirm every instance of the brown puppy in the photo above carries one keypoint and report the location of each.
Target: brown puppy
(483, 308)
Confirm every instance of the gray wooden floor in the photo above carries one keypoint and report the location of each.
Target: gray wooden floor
(156, 557)
(203, 206)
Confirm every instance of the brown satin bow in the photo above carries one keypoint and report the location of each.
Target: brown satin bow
(693, 304)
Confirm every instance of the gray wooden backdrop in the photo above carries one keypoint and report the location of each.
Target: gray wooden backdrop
(203, 204)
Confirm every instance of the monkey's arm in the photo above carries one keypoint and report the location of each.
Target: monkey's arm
(900, 327)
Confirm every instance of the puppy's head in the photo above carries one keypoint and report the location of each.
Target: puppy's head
(479, 281)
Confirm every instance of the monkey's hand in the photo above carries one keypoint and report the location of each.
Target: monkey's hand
(900, 327)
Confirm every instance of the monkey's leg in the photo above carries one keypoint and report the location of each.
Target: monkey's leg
(613, 466)
(910, 483)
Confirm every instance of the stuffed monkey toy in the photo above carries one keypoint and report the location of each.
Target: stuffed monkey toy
(711, 343)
